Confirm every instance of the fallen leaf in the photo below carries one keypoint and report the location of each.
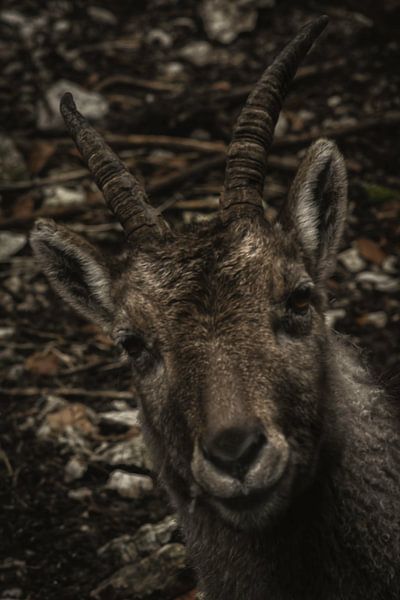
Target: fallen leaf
(371, 251)
(379, 193)
(43, 363)
(222, 86)
(39, 156)
(100, 338)
(74, 415)
(23, 207)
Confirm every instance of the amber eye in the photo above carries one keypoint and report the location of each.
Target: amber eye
(142, 357)
(300, 299)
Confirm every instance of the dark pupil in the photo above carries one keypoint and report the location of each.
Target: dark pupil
(134, 346)
(301, 299)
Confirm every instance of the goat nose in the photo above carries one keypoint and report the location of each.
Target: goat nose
(233, 450)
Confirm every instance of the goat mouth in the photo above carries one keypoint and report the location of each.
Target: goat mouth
(252, 500)
(247, 501)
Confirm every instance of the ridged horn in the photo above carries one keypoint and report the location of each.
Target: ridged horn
(124, 194)
(253, 133)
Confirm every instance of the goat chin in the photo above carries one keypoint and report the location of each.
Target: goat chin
(260, 515)
(253, 509)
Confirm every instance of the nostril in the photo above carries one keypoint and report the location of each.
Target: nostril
(234, 450)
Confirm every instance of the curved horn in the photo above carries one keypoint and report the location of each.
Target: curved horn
(254, 130)
(124, 194)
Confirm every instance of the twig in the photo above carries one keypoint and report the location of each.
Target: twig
(105, 365)
(166, 141)
(306, 72)
(390, 118)
(211, 203)
(180, 143)
(157, 186)
(164, 183)
(44, 181)
(147, 84)
(5, 460)
(62, 391)
(144, 141)
(48, 213)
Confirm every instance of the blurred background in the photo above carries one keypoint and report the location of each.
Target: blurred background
(163, 80)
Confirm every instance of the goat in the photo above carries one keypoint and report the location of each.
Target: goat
(278, 451)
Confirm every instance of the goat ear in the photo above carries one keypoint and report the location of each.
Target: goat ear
(317, 205)
(74, 268)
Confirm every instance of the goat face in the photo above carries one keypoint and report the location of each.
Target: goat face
(224, 323)
(232, 400)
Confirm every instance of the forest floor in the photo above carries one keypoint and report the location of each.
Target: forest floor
(164, 82)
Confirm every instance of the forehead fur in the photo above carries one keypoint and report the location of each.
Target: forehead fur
(223, 272)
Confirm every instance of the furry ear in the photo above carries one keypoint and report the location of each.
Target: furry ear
(317, 205)
(74, 268)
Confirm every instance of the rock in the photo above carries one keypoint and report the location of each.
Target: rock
(333, 315)
(126, 549)
(378, 281)
(80, 494)
(224, 20)
(160, 37)
(12, 163)
(173, 71)
(334, 101)
(10, 244)
(102, 15)
(74, 469)
(28, 25)
(150, 537)
(351, 260)
(91, 104)
(7, 332)
(153, 574)
(63, 196)
(12, 18)
(120, 405)
(391, 264)
(12, 594)
(130, 485)
(13, 284)
(131, 452)
(200, 53)
(129, 418)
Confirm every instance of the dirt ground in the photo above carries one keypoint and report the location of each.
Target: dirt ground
(164, 80)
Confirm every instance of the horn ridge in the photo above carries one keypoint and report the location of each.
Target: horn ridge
(253, 133)
(124, 193)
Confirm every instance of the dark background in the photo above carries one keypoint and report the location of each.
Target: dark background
(161, 72)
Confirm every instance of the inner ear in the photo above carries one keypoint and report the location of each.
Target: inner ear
(317, 205)
(68, 270)
(75, 269)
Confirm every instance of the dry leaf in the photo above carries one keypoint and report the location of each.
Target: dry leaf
(39, 156)
(101, 338)
(74, 415)
(371, 251)
(23, 207)
(43, 363)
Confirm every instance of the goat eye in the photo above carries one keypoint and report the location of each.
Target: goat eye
(300, 299)
(140, 354)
